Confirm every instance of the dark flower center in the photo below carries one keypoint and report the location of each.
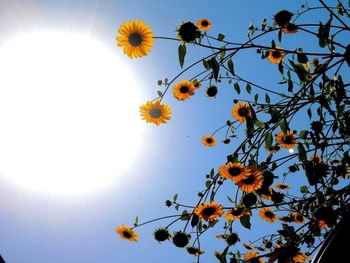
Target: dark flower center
(269, 214)
(243, 112)
(236, 212)
(135, 39)
(249, 180)
(282, 186)
(283, 17)
(155, 113)
(291, 27)
(212, 91)
(287, 139)
(161, 235)
(205, 23)
(276, 54)
(208, 211)
(209, 140)
(188, 32)
(180, 239)
(234, 171)
(184, 89)
(126, 234)
(299, 218)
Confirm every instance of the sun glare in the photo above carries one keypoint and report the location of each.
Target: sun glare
(68, 114)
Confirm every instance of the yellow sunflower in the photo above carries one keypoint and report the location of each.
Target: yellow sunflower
(300, 257)
(287, 140)
(127, 233)
(268, 215)
(234, 171)
(282, 186)
(183, 90)
(204, 24)
(322, 224)
(272, 149)
(209, 140)
(266, 195)
(155, 112)
(209, 211)
(276, 55)
(297, 218)
(236, 213)
(196, 84)
(240, 111)
(136, 37)
(253, 181)
(316, 158)
(247, 246)
(251, 257)
(290, 28)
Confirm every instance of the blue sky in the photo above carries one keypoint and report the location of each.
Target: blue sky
(36, 227)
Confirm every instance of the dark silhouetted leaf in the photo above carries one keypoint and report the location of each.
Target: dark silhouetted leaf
(182, 54)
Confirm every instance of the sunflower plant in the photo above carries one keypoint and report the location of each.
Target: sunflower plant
(302, 128)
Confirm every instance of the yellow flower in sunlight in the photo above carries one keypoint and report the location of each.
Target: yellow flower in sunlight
(196, 83)
(287, 140)
(233, 171)
(276, 55)
(127, 233)
(136, 37)
(155, 112)
(282, 186)
(250, 257)
(183, 90)
(290, 28)
(209, 140)
(209, 211)
(268, 215)
(236, 213)
(252, 182)
(241, 111)
(204, 24)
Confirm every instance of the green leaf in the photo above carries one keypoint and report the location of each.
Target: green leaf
(184, 216)
(290, 86)
(230, 67)
(175, 197)
(215, 66)
(284, 125)
(237, 88)
(280, 35)
(182, 54)
(268, 139)
(223, 52)
(159, 93)
(267, 98)
(256, 97)
(195, 220)
(136, 221)
(177, 207)
(273, 44)
(303, 189)
(259, 124)
(299, 70)
(212, 173)
(248, 88)
(301, 153)
(221, 37)
(280, 67)
(207, 183)
(230, 199)
(303, 134)
(206, 64)
(222, 257)
(245, 221)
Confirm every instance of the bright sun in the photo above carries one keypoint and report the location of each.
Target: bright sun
(68, 114)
